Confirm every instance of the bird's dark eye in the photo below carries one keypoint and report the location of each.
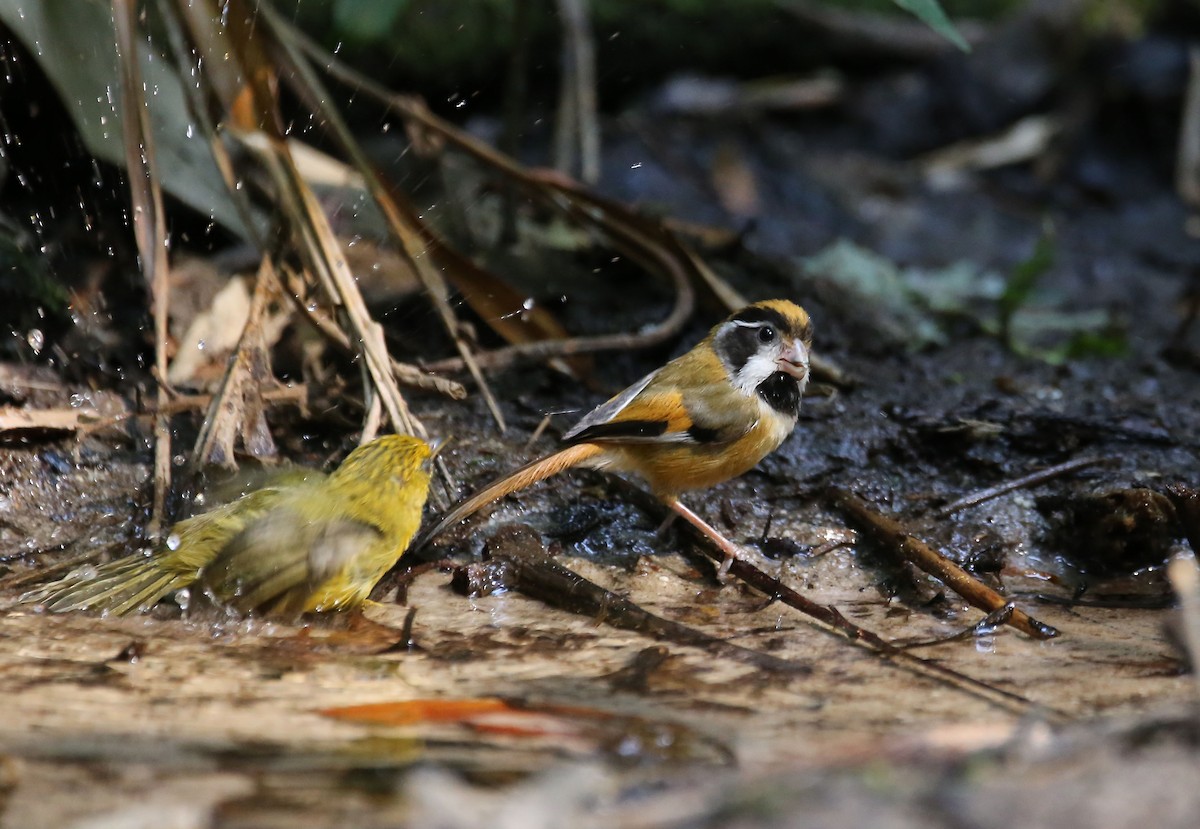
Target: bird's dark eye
(766, 334)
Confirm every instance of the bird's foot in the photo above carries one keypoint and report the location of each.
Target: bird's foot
(732, 552)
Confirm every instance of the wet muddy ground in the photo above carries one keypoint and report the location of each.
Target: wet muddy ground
(161, 721)
(150, 719)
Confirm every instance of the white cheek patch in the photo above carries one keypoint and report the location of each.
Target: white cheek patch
(758, 368)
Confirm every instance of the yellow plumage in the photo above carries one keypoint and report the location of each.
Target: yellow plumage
(311, 542)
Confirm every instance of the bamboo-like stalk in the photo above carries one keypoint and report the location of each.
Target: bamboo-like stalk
(150, 230)
(889, 533)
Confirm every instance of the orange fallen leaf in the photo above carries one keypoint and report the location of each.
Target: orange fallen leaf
(413, 711)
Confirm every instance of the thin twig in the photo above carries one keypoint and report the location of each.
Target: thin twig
(150, 230)
(237, 408)
(1032, 479)
(406, 373)
(889, 533)
(983, 627)
(502, 358)
(528, 569)
(50, 420)
(241, 85)
(577, 95)
(86, 421)
(188, 59)
(281, 395)
(831, 618)
(638, 237)
(414, 237)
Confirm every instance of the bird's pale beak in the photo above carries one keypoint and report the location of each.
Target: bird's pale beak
(794, 361)
(436, 448)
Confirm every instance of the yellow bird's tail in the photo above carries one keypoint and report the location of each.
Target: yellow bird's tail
(526, 476)
(119, 587)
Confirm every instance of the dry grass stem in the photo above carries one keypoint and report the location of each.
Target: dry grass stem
(150, 230)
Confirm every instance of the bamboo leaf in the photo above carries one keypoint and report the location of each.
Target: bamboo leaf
(931, 14)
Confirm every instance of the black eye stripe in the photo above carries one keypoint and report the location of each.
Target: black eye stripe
(736, 344)
(750, 331)
(758, 315)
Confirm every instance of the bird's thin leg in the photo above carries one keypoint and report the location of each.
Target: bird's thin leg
(732, 551)
(665, 525)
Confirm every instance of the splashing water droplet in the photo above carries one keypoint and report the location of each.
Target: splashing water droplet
(173, 541)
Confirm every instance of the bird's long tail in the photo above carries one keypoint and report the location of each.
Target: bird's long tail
(119, 587)
(527, 475)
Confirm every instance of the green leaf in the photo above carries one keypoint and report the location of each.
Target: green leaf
(878, 284)
(73, 42)
(1021, 282)
(366, 20)
(1110, 342)
(930, 13)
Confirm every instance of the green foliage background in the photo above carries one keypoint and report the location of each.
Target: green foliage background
(435, 45)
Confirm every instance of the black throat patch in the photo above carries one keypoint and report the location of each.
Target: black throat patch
(782, 393)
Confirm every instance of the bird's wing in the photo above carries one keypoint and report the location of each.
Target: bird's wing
(281, 552)
(655, 412)
(600, 418)
(338, 544)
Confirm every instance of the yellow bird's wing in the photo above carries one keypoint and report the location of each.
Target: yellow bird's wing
(280, 559)
(139, 581)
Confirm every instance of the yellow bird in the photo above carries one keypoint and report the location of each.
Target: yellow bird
(310, 542)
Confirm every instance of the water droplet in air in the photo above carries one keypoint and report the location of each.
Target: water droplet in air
(173, 541)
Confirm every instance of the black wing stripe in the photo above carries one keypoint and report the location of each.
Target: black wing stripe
(621, 429)
(702, 435)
